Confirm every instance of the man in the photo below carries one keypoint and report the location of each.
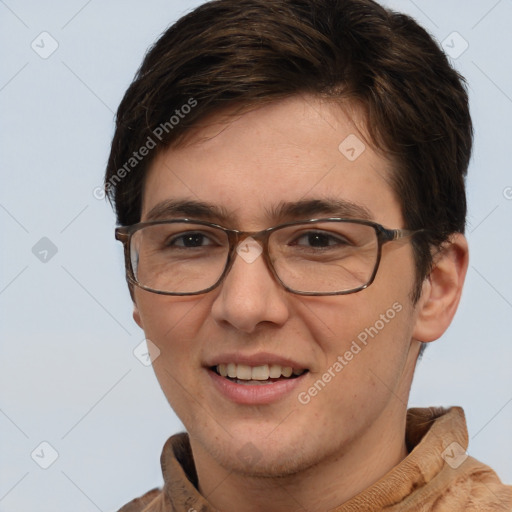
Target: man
(288, 176)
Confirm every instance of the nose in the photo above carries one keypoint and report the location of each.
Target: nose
(249, 295)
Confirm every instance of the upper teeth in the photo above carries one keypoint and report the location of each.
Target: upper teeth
(263, 372)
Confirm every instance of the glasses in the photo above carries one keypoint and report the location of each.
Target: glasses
(331, 256)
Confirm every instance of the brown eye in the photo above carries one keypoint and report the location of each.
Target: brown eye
(190, 240)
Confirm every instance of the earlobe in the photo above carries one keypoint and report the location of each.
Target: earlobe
(136, 315)
(442, 290)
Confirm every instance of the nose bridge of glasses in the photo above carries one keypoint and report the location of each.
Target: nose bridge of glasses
(247, 247)
(240, 239)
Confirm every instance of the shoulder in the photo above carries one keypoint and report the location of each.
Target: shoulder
(149, 502)
(446, 477)
(472, 487)
(483, 488)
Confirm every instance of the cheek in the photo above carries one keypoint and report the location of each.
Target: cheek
(171, 323)
(363, 362)
(336, 322)
(364, 338)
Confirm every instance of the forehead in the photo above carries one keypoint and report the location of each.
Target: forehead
(299, 150)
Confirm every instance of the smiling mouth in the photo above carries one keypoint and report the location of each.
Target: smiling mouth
(257, 375)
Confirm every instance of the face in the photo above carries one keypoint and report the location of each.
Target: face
(353, 352)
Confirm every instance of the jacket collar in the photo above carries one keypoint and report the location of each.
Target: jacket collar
(433, 435)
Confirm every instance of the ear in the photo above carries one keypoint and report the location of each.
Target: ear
(136, 315)
(442, 290)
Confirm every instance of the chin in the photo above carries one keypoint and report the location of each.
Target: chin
(261, 457)
(268, 465)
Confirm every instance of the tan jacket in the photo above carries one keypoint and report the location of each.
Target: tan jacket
(436, 476)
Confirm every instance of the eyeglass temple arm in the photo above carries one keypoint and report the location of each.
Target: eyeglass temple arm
(402, 233)
(121, 235)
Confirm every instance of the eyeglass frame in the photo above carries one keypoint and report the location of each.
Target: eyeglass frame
(235, 237)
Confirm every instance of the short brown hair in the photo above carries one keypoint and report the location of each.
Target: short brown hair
(251, 52)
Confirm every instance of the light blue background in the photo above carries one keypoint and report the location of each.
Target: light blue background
(67, 372)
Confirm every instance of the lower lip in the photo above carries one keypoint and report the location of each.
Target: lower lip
(255, 394)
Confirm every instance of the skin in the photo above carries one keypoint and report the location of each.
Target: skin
(313, 456)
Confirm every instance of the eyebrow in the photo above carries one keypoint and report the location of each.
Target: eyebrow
(332, 207)
(189, 209)
(284, 211)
